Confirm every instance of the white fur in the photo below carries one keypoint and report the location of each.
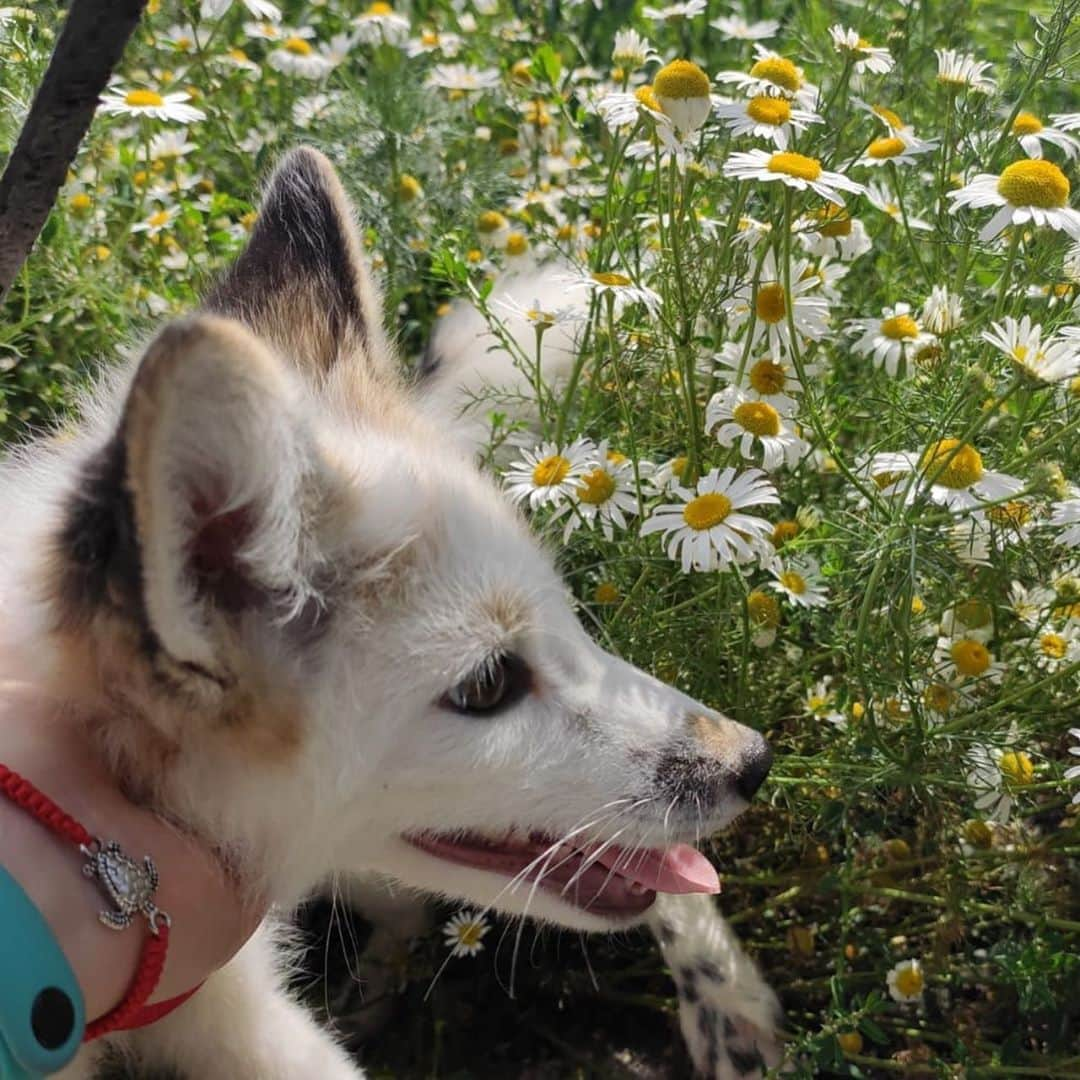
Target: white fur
(364, 512)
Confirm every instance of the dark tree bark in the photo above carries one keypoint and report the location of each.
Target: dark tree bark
(89, 47)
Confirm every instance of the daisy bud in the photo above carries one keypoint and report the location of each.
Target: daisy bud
(682, 89)
(850, 1042)
(1048, 479)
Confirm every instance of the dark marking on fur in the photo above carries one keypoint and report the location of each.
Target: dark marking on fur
(706, 1022)
(691, 780)
(710, 971)
(686, 979)
(745, 1061)
(730, 1030)
(299, 274)
(666, 933)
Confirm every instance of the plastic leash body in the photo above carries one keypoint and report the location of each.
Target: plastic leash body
(41, 1006)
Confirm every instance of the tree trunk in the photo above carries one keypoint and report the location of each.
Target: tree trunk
(89, 47)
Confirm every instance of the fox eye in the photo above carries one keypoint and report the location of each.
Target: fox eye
(495, 685)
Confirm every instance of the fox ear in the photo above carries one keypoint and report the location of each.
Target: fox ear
(220, 469)
(302, 283)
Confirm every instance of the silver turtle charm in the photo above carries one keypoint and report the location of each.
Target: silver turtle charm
(129, 886)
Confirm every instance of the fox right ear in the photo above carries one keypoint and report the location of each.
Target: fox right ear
(302, 283)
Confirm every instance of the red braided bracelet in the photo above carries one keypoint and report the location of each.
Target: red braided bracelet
(129, 886)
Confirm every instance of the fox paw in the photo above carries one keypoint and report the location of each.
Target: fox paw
(728, 1038)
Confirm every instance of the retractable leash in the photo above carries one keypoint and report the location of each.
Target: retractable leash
(41, 1006)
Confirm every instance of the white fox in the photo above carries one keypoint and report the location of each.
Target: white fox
(305, 628)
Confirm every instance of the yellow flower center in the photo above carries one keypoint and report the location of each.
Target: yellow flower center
(770, 305)
(607, 277)
(880, 149)
(517, 244)
(975, 613)
(408, 187)
(757, 417)
(909, 981)
(678, 466)
(158, 219)
(596, 487)
(939, 697)
(551, 471)
(793, 581)
(606, 593)
(706, 511)
(238, 55)
(964, 464)
(1034, 183)
(1017, 766)
(1027, 124)
(978, 834)
(835, 220)
(681, 79)
(783, 531)
(769, 110)
(297, 45)
(80, 202)
(850, 1042)
(797, 165)
(1011, 514)
(882, 480)
(779, 71)
(1053, 646)
(918, 605)
(379, 7)
(144, 99)
(899, 327)
(763, 609)
(767, 377)
(429, 37)
(470, 934)
(490, 221)
(886, 114)
(970, 657)
(647, 97)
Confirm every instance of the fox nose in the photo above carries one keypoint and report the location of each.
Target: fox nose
(753, 768)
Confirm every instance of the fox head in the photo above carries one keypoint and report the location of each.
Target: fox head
(306, 626)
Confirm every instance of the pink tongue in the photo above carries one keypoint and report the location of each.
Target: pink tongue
(678, 869)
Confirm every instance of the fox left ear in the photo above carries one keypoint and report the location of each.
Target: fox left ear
(302, 283)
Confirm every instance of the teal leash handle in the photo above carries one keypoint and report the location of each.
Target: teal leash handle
(41, 1006)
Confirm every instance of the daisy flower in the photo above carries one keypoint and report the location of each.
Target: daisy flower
(737, 28)
(763, 610)
(297, 56)
(957, 478)
(872, 58)
(830, 231)
(149, 103)
(733, 415)
(894, 339)
(259, 9)
(157, 222)
(670, 473)
(1051, 361)
(942, 311)
(431, 41)
(605, 493)
(619, 110)
(1073, 772)
(269, 30)
(1056, 648)
(1031, 133)
(891, 120)
(463, 77)
(675, 12)
(682, 90)
(768, 304)
(631, 50)
(766, 116)
(820, 703)
(1010, 522)
(960, 659)
(379, 22)
(619, 286)
(170, 146)
(1067, 514)
(800, 581)
(773, 74)
(548, 475)
(768, 379)
(795, 170)
(1030, 606)
(1033, 190)
(898, 149)
(708, 529)
(882, 199)
(906, 982)
(465, 932)
(959, 70)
